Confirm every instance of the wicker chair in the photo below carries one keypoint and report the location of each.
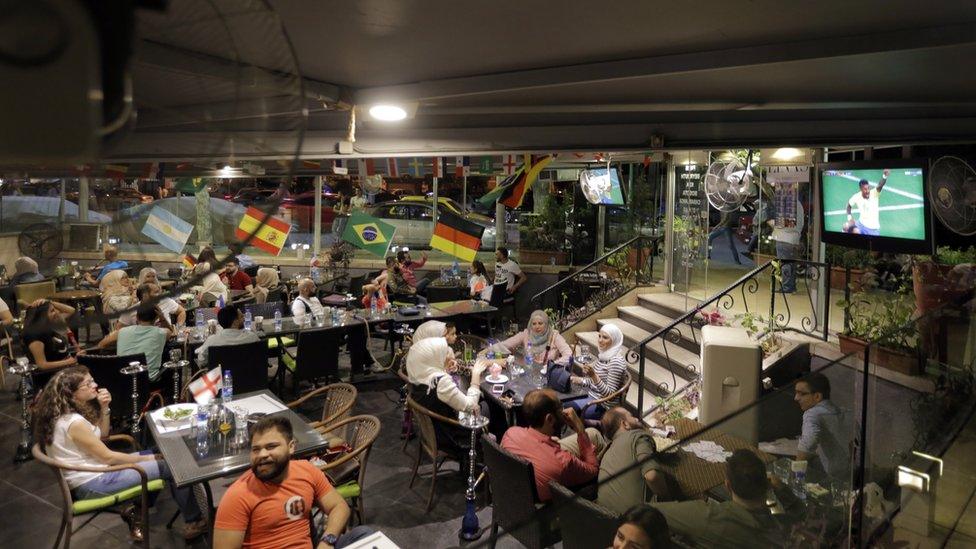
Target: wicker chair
(616, 395)
(29, 292)
(95, 506)
(348, 472)
(424, 419)
(338, 400)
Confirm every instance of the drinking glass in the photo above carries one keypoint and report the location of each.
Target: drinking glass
(513, 328)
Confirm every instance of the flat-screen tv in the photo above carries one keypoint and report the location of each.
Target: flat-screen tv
(602, 186)
(876, 205)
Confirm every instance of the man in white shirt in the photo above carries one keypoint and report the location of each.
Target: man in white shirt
(306, 303)
(866, 200)
(231, 320)
(507, 270)
(358, 201)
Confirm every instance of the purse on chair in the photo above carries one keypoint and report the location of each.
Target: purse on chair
(558, 378)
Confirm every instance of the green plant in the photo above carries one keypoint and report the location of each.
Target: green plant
(689, 237)
(881, 316)
(951, 256)
(838, 256)
(546, 230)
(756, 325)
(618, 261)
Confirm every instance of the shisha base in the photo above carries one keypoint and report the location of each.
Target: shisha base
(470, 528)
(22, 454)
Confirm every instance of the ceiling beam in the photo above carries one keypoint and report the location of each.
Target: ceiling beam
(176, 59)
(820, 48)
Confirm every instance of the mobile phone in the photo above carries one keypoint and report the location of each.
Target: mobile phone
(497, 389)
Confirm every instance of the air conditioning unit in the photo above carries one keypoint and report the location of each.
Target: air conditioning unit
(84, 237)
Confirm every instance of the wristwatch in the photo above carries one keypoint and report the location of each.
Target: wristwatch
(331, 539)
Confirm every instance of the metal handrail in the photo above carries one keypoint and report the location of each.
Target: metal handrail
(597, 261)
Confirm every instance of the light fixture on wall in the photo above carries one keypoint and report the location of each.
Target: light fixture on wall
(787, 153)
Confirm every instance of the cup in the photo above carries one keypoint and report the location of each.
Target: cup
(212, 326)
(257, 322)
(495, 370)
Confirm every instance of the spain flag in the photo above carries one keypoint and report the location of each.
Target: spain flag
(269, 235)
(456, 236)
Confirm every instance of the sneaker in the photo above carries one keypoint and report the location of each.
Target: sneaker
(195, 529)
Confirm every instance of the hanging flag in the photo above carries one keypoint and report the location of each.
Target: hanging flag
(462, 166)
(494, 194)
(508, 164)
(512, 196)
(339, 167)
(486, 165)
(115, 171)
(189, 185)
(456, 236)
(417, 166)
(391, 167)
(311, 164)
(438, 167)
(369, 233)
(167, 229)
(207, 386)
(189, 262)
(269, 235)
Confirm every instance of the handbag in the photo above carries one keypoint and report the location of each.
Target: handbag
(558, 376)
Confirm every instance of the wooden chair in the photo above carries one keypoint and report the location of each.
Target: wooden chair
(424, 419)
(29, 292)
(582, 523)
(95, 506)
(515, 507)
(348, 472)
(338, 399)
(616, 395)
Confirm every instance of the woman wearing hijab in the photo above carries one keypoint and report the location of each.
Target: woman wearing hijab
(431, 328)
(606, 375)
(117, 292)
(210, 283)
(538, 336)
(25, 270)
(265, 281)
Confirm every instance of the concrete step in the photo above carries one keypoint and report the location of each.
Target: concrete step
(686, 363)
(669, 304)
(651, 321)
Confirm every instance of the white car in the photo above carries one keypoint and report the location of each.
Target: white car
(414, 222)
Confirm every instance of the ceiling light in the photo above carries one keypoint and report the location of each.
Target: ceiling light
(387, 113)
(787, 153)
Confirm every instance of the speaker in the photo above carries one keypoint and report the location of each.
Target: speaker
(731, 364)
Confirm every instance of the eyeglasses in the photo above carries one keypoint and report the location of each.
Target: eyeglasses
(802, 393)
(87, 383)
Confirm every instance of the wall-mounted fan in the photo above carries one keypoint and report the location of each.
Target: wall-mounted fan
(41, 241)
(728, 182)
(952, 194)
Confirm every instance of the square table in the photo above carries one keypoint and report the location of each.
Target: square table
(521, 386)
(189, 468)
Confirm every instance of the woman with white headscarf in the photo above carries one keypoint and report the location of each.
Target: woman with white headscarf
(606, 375)
(210, 284)
(431, 328)
(537, 337)
(117, 292)
(265, 281)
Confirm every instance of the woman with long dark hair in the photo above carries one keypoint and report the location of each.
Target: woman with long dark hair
(70, 418)
(46, 338)
(478, 283)
(642, 527)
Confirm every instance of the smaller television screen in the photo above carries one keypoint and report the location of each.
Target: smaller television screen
(602, 186)
(876, 206)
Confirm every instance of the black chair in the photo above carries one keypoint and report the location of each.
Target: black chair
(497, 301)
(512, 482)
(356, 285)
(317, 355)
(247, 362)
(268, 308)
(278, 293)
(437, 294)
(252, 271)
(106, 371)
(582, 523)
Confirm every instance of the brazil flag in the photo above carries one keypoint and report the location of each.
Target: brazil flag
(369, 233)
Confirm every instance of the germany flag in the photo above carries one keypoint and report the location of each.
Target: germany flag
(456, 236)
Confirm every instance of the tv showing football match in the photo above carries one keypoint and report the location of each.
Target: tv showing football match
(880, 206)
(602, 186)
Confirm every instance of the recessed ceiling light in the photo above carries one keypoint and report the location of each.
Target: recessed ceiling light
(787, 153)
(387, 113)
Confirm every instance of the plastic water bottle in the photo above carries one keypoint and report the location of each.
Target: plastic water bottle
(198, 321)
(372, 304)
(490, 355)
(277, 320)
(227, 389)
(799, 470)
(248, 320)
(335, 316)
(455, 269)
(528, 354)
(202, 431)
(315, 273)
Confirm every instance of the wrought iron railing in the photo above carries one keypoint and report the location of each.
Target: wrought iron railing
(593, 286)
(808, 277)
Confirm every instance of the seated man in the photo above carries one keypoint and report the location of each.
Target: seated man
(231, 320)
(628, 443)
(571, 461)
(142, 337)
(743, 522)
(306, 303)
(407, 267)
(112, 263)
(270, 505)
(234, 278)
(824, 434)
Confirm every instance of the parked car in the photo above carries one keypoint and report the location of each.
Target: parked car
(414, 222)
(452, 205)
(302, 209)
(257, 195)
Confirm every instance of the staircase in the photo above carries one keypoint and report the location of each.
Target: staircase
(638, 322)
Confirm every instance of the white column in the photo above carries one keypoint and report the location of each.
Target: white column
(83, 199)
(669, 198)
(317, 223)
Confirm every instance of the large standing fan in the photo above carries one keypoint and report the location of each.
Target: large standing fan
(727, 183)
(952, 194)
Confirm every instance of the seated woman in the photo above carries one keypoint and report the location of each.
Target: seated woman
(431, 328)
(70, 419)
(117, 293)
(265, 281)
(429, 362)
(46, 338)
(209, 284)
(536, 338)
(478, 283)
(642, 527)
(606, 376)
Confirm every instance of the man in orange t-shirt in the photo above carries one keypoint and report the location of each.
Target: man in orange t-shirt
(270, 505)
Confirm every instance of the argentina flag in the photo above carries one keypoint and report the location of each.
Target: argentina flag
(167, 229)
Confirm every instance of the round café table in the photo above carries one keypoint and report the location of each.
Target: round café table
(77, 297)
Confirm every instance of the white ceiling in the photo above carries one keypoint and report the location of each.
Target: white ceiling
(531, 75)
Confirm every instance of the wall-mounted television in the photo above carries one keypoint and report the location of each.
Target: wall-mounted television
(602, 186)
(876, 205)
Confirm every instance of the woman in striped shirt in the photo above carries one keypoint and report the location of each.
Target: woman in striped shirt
(604, 377)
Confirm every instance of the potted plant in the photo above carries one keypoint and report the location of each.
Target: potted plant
(840, 260)
(882, 317)
(943, 278)
(674, 407)
(542, 236)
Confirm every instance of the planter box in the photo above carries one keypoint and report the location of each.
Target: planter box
(542, 257)
(837, 278)
(891, 359)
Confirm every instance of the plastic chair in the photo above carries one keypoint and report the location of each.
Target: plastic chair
(513, 478)
(96, 506)
(425, 419)
(247, 362)
(583, 524)
(29, 292)
(338, 399)
(352, 464)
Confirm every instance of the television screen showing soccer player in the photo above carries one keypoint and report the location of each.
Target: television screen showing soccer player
(887, 202)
